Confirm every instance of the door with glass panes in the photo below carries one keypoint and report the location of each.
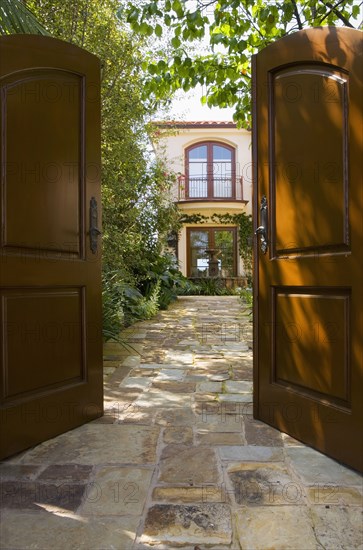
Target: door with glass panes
(210, 171)
(200, 244)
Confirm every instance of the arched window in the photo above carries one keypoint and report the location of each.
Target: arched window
(210, 171)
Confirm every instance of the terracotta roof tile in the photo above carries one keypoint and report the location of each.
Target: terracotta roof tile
(195, 124)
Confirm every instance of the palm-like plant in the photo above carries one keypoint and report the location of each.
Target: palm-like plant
(16, 18)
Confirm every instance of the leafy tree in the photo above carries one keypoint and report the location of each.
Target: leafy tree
(15, 18)
(230, 31)
(137, 214)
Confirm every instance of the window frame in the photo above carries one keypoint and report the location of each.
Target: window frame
(211, 230)
(210, 176)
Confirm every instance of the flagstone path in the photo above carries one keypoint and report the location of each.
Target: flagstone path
(177, 460)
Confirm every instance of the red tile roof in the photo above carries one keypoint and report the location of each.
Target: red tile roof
(195, 124)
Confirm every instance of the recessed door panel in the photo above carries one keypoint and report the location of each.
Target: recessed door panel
(42, 125)
(42, 341)
(308, 149)
(311, 342)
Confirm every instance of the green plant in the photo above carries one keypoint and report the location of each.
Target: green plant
(246, 297)
(211, 287)
(185, 287)
(114, 294)
(211, 43)
(15, 18)
(137, 208)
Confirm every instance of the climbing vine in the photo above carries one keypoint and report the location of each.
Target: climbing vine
(244, 224)
(193, 218)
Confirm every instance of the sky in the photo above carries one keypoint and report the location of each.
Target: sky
(187, 106)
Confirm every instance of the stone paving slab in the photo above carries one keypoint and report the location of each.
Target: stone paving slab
(258, 433)
(268, 484)
(182, 464)
(171, 374)
(251, 453)
(313, 467)
(45, 529)
(338, 528)
(234, 386)
(333, 495)
(97, 444)
(177, 460)
(203, 494)
(275, 528)
(214, 387)
(28, 495)
(117, 491)
(235, 398)
(135, 382)
(181, 524)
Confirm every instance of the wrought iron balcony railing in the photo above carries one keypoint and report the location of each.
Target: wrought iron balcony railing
(191, 189)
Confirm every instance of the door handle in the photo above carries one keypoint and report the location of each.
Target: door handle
(262, 230)
(94, 232)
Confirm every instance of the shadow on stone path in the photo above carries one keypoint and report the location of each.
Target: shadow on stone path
(178, 460)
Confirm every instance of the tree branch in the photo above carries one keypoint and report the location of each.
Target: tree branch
(333, 9)
(250, 19)
(297, 15)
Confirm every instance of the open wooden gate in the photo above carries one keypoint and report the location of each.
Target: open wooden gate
(50, 271)
(308, 209)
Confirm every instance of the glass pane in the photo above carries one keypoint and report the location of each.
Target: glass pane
(222, 172)
(224, 241)
(198, 188)
(198, 153)
(198, 182)
(222, 187)
(198, 169)
(221, 153)
(199, 243)
(222, 169)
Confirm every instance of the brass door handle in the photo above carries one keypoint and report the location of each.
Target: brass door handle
(262, 230)
(94, 232)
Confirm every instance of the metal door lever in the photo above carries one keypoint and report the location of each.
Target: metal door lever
(262, 230)
(94, 232)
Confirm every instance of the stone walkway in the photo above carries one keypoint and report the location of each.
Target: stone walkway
(177, 460)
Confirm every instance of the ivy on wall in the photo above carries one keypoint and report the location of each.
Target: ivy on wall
(245, 231)
(193, 218)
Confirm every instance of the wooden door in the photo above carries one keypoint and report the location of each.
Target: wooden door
(50, 279)
(308, 154)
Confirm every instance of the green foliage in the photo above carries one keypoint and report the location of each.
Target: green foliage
(137, 211)
(205, 287)
(16, 18)
(193, 218)
(246, 298)
(212, 287)
(233, 30)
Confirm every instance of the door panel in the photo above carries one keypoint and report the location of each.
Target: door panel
(310, 176)
(308, 151)
(50, 278)
(49, 324)
(310, 335)
(48, 107)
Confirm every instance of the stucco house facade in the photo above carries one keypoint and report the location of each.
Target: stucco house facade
(212, 161)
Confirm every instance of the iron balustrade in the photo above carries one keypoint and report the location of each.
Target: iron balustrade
(195, 188)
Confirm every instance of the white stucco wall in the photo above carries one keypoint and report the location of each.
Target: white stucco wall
(173, 145)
